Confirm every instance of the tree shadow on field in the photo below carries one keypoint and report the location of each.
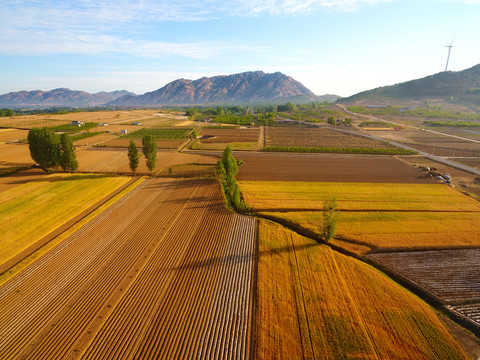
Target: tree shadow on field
(233, 259)
(58, 178)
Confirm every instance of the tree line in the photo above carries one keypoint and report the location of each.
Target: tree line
(228, 169)
(51, 151)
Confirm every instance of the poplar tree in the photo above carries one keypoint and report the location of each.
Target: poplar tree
(149, 149)
(68, 159)
(133, 160)
(330, 218)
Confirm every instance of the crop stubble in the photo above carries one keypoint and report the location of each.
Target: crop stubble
(162, 271)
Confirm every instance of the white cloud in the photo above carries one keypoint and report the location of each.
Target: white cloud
(82, 42)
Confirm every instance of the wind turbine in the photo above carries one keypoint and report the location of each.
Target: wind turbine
(448, 57)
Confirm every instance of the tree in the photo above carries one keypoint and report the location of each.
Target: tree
(133, 160)
(330, 218)
(331, 120)
(348, 121)
(228, 168)
(68, 160)
(149, 149)
(44, 147)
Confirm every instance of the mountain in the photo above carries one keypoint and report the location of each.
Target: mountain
(59, 97)
(243, 88)
(461, 87)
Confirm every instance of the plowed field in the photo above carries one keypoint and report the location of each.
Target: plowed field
(319, 137)
(229, 135)
(326, 167)
(116, 160)
(452, 276)
(163, 273)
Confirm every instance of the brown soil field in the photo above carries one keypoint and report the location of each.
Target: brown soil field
(428, 142)
(318, 137)
(146, 117)
(12, 134)
(165, 272)
(13, 154)
(230, 135)
(451, 276)
(454, 150)
(326, 167)
(95, 140)
(116, 160)
(20, 177)
(161, 144)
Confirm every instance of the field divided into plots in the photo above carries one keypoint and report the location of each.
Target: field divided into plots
(452, 276)
(316, 303)
(378, 216)
(322, 139)
(165, 272)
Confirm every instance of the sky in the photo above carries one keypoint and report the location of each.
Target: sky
(332, 47)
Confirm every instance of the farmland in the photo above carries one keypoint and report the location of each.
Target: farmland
(105, 160)
(314, 302)
(52, 196)
(326, 167)
(373, 215)
(137, 291)
(239, 138)
(321, 139)
(459, 291)
(167, 272)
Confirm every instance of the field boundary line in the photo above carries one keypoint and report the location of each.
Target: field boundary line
(29, 255)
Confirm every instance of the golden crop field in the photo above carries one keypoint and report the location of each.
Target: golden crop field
(31, 210)
(316, 303)
(376, 215)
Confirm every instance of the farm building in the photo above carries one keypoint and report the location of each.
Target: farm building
(77, 123)
(123, 132)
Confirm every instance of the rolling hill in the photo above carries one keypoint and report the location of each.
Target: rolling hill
(58, 97)
(458, 87)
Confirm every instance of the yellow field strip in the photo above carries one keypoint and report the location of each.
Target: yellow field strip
(24, 263)
(377, 215)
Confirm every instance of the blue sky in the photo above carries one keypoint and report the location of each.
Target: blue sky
(337, 47)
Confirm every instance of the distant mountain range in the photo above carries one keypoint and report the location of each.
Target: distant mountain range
(458, 87)
(59, 97)
(244, 88)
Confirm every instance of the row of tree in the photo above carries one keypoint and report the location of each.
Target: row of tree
(51, 151)
(228, 169)
(149, 149)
